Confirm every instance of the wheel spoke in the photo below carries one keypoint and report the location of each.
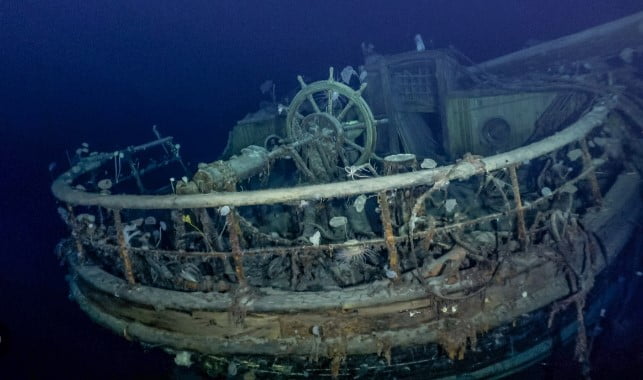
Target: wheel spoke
(346, 108)
(361, 149)
(342, 156)
(313, 103)
(329, 102)
(353, 145)
(353, 127)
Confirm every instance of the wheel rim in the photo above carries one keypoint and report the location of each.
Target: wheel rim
(332, 105)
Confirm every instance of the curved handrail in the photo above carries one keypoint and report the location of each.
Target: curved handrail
(63, 190)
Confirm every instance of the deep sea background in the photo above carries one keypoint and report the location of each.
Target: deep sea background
(103, 72)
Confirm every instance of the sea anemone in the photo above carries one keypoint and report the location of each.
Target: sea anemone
(354, 254)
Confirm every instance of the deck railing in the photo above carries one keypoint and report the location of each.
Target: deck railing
(213, 241)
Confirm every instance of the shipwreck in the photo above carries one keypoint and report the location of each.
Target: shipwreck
(427, 214)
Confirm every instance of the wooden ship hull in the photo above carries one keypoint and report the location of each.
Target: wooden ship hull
(477, 265)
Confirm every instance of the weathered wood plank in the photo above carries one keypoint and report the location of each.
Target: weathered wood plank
(360, 335)
(189, 323)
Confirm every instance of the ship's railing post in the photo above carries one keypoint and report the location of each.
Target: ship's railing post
(389, 238)
(591, 177)
(234, 232)
(122, 247)
(210, 235)
(75, 231)
(179, 229)
(520, 212)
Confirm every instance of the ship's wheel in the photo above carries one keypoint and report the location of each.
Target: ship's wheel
(333, 112)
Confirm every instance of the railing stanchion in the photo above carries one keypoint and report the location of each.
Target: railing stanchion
(179, 229)
(389, 238)
(75, 231)
(122, 248)
(591, 177)
(237, 253)
(520, 212)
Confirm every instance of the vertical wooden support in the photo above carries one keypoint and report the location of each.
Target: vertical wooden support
(394, 119)
(122, 248)
(207, 225)
(520, 213)
(179, 229)
(389, 238)
(591, 177)
(237, 254)
(395, 164)
(446, 80)
(294, 269)
(75, 231)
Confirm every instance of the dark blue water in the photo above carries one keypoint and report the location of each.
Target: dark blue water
(103, 72)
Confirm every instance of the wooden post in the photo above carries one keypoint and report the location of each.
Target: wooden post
(389, 238)
(520, 213)
(122, 248)
(75, 231)
(237, 253)
(394, 120)
(209, 231)
(179, 229)
(591, 176)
